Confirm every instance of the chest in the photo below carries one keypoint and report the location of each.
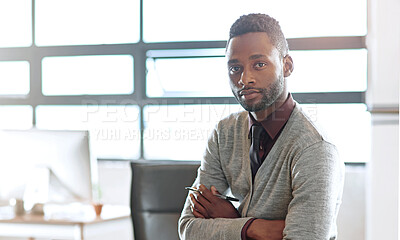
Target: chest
(271, 190)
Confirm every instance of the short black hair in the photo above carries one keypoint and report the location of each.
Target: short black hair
(258, 22)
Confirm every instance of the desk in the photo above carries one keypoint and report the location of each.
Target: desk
(113, 220)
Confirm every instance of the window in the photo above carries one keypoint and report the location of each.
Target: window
(114, 129)
(15, 117)
(346, 125)
(210, 20)
(181, 73)
(90, 75)
(329, 71)
(150, 74)
(76, 22)
(15, 23)
(14, 78)
(187, 126)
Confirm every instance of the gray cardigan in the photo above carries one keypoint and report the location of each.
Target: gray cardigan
(301, 180)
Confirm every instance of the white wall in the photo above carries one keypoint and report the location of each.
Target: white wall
(351, 218)
(115, 182)
(384, 50)
(383, 182)
(383, 98)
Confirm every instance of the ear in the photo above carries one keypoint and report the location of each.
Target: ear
(287, 65)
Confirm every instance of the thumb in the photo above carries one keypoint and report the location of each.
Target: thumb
(214, 190)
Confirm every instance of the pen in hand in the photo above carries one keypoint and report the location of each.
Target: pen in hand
(218, 195)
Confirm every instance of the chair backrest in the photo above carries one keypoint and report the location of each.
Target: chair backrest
(158, 196)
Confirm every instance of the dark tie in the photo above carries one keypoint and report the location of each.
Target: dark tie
(256, 131)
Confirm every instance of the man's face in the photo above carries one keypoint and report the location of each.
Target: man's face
(255, 71)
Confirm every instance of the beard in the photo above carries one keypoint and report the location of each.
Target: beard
(269, 96)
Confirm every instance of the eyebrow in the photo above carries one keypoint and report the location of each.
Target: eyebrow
(257, 56)
(252, 57)
(232, 61)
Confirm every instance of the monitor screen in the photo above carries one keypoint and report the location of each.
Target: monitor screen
(46, 166)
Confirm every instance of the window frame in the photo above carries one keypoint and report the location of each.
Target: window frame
(34, 55)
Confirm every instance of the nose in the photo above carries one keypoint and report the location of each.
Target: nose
(246, 78)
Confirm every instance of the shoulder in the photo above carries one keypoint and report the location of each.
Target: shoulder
(231, 128)
(234, 120)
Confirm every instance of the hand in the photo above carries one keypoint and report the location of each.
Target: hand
(206, 205)
(265, 229)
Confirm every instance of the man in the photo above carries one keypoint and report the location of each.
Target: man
(286, 175)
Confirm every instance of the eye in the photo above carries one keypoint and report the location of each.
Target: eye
(260, 65)
(234, 69)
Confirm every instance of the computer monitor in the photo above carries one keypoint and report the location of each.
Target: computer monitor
(47, 165)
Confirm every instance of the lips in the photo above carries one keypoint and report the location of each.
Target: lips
(249, 93)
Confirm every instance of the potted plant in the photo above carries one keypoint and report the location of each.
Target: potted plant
(97, 202)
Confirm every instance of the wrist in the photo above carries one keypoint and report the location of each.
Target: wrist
(265, 229)
(251, 232)
(244, 229)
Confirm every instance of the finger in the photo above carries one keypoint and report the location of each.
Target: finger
(201, 196)
(198, 207)
(201, 200)
(214, 190)
(193, 201)
(196, 213)
(206, 193)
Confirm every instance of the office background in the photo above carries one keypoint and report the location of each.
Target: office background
(149, 74)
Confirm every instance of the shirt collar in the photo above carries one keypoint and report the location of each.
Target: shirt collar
(274, 123)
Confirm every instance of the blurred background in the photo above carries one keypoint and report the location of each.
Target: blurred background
(146, 77)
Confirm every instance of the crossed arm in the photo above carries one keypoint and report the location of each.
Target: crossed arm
(206, 205)
(308, 197)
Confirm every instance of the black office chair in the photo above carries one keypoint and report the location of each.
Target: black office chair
(158, 196)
